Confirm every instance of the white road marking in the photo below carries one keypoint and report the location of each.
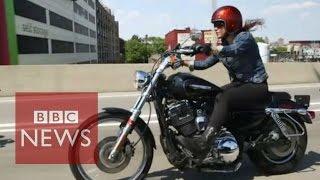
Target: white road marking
(143, 116)
(100, 125)
(9, 125)
(136, 93)
(294, 86)
(7, 130)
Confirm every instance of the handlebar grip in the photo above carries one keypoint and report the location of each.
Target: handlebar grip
(185, 51)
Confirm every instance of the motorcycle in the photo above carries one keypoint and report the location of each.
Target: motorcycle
(273, 134)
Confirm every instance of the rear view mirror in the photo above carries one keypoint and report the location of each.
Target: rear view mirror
(195, 35)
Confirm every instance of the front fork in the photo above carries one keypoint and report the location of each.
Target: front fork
(136, 111)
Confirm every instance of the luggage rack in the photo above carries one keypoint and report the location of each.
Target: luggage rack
(274, 112)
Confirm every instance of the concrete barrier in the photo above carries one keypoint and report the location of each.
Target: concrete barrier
(119, 77)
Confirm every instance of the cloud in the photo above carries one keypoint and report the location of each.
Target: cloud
(304, 15)
(127, 16)
(284, 8)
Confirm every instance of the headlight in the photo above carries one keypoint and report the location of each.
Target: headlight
(142, 79)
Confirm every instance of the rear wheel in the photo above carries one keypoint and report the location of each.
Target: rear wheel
(283, 155)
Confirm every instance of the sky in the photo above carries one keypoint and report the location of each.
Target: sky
(288, 19)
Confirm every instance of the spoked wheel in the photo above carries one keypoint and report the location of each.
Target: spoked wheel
(283, 155)
(133, 161)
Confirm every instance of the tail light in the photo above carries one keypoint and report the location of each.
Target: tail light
(311, 114)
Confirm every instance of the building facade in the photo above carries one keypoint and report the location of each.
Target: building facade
(108, 35)
(305, 50)
(182, 36)
(55, 32)
(122, 44)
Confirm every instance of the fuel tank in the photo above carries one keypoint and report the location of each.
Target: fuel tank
(187, 86)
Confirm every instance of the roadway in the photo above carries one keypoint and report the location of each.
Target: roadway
(308, 169)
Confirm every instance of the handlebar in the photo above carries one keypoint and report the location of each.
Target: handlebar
(173, 58)
(192, 50)
(185, 51)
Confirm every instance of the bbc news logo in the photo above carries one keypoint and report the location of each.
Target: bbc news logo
(50, 124)
(47, 135)
(55, 117)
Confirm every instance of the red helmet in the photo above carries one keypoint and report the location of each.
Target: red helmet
(231, 16)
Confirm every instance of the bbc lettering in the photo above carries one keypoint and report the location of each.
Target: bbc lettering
(56, 117)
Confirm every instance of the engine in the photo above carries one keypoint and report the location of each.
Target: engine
(186, 118)
(190, 119)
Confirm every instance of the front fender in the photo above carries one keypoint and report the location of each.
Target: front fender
(140, 123)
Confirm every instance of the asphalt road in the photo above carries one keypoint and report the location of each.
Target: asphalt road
(308, 169)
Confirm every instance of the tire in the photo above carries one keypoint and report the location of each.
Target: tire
(260, 159)
(122, 118)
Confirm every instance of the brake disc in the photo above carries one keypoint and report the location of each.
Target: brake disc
(103, 151)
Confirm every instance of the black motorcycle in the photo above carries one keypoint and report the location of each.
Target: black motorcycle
(272, 134)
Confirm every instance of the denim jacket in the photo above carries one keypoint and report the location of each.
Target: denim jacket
(242, 59)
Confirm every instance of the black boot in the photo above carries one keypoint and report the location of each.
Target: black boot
(199, 144)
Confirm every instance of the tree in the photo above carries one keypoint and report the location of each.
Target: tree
(138, 50)
(157, 45)
(279, 50)
(260, 39)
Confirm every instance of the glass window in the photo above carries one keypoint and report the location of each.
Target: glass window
(93, 34)
(30, 10)
(80, 10)
(62, 46)
(82, 48)
(91, 4)
(32, 45)
(60, 21)
(81, 29)
(92, 19)
(93, 48)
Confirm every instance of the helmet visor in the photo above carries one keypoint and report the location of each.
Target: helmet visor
(218, 24)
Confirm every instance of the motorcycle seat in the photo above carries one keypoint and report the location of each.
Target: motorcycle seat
(278, 96)
(273, 98)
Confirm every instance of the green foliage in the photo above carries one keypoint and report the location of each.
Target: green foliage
(278, 50)
(138, 50)
(260, 39)
(157, 45)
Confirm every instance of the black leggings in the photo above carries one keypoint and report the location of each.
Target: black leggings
(237, 95)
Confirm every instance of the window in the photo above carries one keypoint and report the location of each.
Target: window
(80, 10)
(92, 19)
(91, 4)
(93, 48)
(32, 45)
(30, 10)
(60, 21)
(82, 48)
(62, 47)
(81, 29)
(93, 34)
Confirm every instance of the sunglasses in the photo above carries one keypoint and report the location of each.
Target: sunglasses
(218, 24)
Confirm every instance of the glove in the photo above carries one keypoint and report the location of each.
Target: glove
(216, 50)
(202, 48)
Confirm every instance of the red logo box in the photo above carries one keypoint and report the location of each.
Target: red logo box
(49, 124)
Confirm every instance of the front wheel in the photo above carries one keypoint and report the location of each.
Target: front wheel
(133, 162)
(283, 155)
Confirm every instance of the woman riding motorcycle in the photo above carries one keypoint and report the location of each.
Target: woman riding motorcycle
(239, 53)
